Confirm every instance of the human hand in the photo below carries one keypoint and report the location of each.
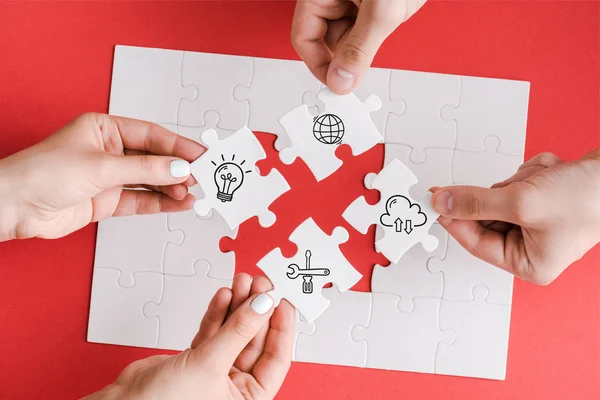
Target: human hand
(78, 175)
(534, 224)
(338, 39)
(237, 353)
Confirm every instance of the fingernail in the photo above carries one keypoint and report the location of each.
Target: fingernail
(262, 303)
(341, 79)
(179, 168)
(444, 202)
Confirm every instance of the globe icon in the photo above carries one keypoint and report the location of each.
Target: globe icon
(328, 129)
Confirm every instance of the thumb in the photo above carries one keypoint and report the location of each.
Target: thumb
(477, 203)
(226, 345)
(352, 58)
(143, 170)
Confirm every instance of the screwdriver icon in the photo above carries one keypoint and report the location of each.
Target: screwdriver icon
(306, 273)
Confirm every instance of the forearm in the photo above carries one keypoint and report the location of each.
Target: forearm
(110, 392)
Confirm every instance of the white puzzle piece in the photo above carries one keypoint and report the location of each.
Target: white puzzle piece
(201, 242)
(490, 107)
(331, 342)
(463, 271)
(232, 186)
(377, 81)
(214, 76)
(421, 126)
(402, 341)
(405, 222)
(301, 326)
(318, 261)
(182, 305)
(491, 166)
(133, 244)
(434, 171)
(481, 345)
(116, 312)
(410, 278)
(211, 121)
(277, 86)
(146, 84)
(345, 120)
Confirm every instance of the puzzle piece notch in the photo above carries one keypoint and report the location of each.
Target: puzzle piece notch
(182, 305)
(214, 76)
(211, 121)
(115, 311)
(410, 278)
(331, 341)
(202, 238)
(490, 107)
(404, 221)
(134, 244)
(230, 180)
(402, 341)
(492, 166)
(421, 125)
(482, 331)
(276, 87)
(317, 262)
(146, 84)
(463, 272)
(301, 327)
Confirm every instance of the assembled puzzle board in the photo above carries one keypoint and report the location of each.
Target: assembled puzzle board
(434, 309)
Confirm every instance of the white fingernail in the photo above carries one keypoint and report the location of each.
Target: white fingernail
(179, 168)
(262, 303)
(344, 74)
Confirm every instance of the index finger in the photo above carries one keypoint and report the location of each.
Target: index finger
(309, 29)
(153, 138)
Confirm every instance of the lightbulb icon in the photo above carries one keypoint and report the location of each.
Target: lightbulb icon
(229, 177)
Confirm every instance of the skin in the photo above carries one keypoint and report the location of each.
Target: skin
(338, 39)
(236, 354)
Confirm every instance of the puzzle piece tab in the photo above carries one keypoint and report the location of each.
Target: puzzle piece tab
(318, 261)
(405, 222)
(182, 306)
(345, 120)
(402, 341)
(229, 178)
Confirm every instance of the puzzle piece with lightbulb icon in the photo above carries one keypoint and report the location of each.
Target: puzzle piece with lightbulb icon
(404, 222)
(345, 120)
(318, 261)
(231, 182)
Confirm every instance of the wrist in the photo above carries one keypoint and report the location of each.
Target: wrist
(8, 207)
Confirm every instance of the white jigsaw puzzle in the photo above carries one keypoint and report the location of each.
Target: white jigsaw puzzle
(229, 178)
(345, 120)
(318, 261)
(182, 305)
(405, 222)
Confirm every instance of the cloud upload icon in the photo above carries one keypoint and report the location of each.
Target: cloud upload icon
(402, 215)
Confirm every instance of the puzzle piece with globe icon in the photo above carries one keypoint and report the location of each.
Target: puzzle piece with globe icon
(345, 120)
(405, 222)
(229, 178)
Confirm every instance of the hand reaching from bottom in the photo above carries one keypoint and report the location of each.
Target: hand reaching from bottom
(534, 224)
(243, 350)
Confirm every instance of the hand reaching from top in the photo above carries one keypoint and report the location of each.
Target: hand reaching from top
(534, 224)
(337, 39)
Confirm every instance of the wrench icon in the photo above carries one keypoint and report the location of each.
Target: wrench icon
(307, 273)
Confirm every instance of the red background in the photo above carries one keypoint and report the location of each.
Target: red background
(55, 63)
